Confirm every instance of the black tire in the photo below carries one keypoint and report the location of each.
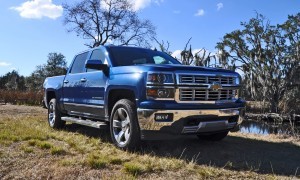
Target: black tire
(54, 115)
(124, 128)
(213, 137)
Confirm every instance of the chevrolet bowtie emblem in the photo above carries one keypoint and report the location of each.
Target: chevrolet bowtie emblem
(215, 86)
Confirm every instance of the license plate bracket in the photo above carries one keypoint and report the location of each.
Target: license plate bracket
(163, 117)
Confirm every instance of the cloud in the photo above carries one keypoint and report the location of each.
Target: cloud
(158, 2)
(177, 54)
(36, 9)
(200, 12)
(176, 12)
(3, 64)
(220, 6)
(141, 4)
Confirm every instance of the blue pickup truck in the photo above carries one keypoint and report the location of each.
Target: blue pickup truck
(141, 94)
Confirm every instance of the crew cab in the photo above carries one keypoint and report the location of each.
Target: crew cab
(140, 93)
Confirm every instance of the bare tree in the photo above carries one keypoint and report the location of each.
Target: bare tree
(187, 56)
(163, 47)
(107, 21)
(200, 58)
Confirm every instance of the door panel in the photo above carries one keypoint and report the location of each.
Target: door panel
(73, 85)
(72, 92)
(94, 89)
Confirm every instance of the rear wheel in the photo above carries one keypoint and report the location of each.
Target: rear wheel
(124, 128)
(54, 115)
(213, 137)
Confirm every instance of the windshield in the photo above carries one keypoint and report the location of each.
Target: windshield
(128, 56)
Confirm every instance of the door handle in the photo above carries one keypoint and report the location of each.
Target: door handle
(66, 81)
(83, 80)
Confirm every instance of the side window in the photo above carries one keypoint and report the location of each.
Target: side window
(160, 60)
(78, 64)
(97, 54)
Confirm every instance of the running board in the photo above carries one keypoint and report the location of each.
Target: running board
(94, 124)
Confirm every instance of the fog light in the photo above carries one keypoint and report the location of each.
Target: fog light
(160, 93)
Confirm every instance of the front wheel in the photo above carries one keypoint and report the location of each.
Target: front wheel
(213, 137)
(54, 115)
(124, 128)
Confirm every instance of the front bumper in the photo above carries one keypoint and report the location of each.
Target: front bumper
(190, 121)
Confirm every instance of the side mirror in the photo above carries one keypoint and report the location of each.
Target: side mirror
(96, 64)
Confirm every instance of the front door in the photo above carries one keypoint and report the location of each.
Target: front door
(94, 87)
(73, 96)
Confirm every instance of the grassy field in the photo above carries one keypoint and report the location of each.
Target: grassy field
(29, 149)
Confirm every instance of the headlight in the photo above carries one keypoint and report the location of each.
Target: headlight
(162, 93)
(238, 80)
(160, 78)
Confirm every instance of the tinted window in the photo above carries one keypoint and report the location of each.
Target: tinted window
(98, 55)
(78, 64)
(127, 56)
(160, 60)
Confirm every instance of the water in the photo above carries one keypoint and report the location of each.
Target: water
(265, 128)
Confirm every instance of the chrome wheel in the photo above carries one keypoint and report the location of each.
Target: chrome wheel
(121, 126)
(54, 115)
(51, 114)
(124, 127)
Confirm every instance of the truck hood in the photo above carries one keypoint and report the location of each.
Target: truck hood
(170, 68)
(178, 67)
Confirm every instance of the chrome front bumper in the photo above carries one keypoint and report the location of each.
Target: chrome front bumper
(204, 121)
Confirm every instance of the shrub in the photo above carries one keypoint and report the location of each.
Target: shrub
(21, 97)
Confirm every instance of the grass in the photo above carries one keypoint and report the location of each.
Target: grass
(58, 151)
(44, 145)
(68, 162)
(134, 168)
(116, 161)
(78, 153)
(96, 161)
(27, 149)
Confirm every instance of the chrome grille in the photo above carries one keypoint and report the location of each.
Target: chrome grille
(191, 94)
(201, 79)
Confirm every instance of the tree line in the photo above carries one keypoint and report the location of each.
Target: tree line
(18, 89)
(13, 81)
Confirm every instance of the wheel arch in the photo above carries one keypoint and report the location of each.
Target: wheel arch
(116, 94)
(50, 94)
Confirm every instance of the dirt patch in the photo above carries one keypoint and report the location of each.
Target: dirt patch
(13, 110)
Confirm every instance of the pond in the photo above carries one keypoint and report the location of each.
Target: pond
(265, 128)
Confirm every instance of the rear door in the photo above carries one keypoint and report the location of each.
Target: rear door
(73, 88)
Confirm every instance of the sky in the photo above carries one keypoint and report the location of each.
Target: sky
(31, 29)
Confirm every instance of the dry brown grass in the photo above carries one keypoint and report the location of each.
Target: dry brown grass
(29, 149)
(21, 97)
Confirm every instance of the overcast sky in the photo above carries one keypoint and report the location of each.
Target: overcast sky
(32, 29)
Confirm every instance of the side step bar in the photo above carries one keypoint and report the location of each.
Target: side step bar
(94, 124)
